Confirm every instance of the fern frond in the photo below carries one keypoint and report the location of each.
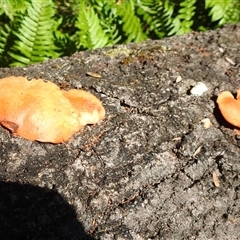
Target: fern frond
(183, 22)
(224, 11)
(4, 33)
(35, 36)
(201, 20)
(157, 16)
(35, 30)
(91, 34)
(5, 44)
(10, 7)
(63, 40)
(131, 24)
(107, 13)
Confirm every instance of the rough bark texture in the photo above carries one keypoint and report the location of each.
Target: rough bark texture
(150, 170)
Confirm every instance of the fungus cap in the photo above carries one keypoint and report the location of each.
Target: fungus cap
(39, 110)
(229, 107)
(88, 107)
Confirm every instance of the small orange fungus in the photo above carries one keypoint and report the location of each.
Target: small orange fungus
(39, 110)
(230, 107)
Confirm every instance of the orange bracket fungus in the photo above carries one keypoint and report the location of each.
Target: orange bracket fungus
(39, 110)
(230, 107)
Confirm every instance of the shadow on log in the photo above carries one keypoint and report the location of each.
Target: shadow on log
(29, 212)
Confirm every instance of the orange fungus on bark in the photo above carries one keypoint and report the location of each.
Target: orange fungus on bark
(230, 107)
(39, 110)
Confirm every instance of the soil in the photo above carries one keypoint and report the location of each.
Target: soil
(151, 169)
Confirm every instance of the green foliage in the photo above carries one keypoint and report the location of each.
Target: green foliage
(183, 21)
(109, 20)
(157, 16)
(10, 7)
(33, 31)
(131, 25)
(224, 11)
(30, 37)
(91, 33)
(4, 44)
(35, 41)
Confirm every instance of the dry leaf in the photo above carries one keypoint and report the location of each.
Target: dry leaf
(197, 151)
(215, 179)
(96, 75)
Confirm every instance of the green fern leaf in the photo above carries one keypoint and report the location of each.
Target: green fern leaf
(91, 34)
(131, 24)
(224, 11)
(108, 17)
(10, 7)
(35, 36)
(5, 44)
(184, 19)
(157, 15)
(4, 33)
